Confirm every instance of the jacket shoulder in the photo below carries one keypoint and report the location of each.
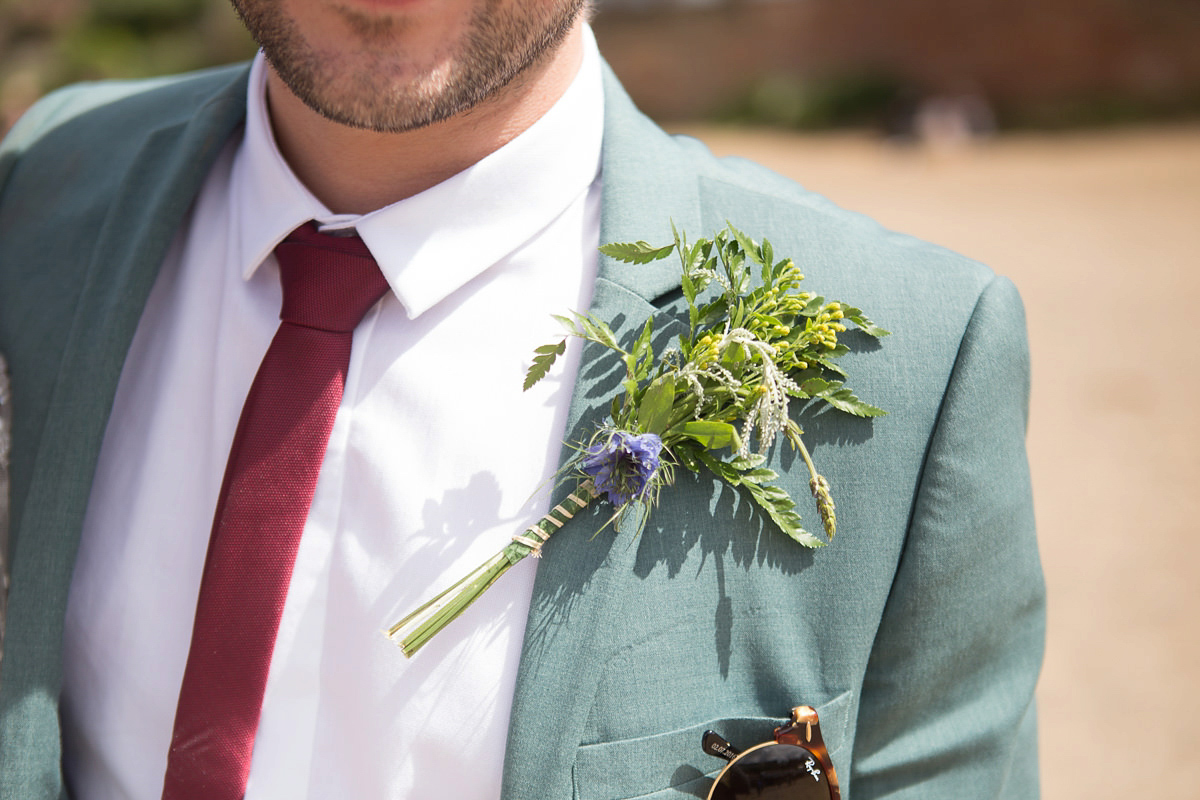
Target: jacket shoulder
(830, 232)
(927, 295)
(67, 157)
(137, 104)
(80, 129)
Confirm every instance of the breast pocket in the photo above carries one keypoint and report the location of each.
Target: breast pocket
(671, 766)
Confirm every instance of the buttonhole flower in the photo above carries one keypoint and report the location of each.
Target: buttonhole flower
(622, 465)
(754, 343)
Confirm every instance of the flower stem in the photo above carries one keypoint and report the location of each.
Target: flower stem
(820, 489)
(812, 468)
(412, 632)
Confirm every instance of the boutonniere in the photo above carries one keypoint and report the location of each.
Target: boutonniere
(755, 341)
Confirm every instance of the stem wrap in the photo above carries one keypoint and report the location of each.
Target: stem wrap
(530, 540)
(412, 632)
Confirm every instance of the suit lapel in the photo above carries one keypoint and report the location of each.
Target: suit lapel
(166, 173)
(647, 184)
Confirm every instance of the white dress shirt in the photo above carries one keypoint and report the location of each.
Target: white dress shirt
(436, 459)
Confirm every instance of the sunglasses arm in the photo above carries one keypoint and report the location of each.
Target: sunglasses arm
(715, 745)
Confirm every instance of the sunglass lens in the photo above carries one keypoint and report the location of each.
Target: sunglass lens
(773, 772)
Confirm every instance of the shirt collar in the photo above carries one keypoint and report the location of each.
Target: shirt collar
(431, 244)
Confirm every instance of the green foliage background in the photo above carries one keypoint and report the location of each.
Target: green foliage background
(45, 44)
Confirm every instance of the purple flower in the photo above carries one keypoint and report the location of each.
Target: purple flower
(622, 464)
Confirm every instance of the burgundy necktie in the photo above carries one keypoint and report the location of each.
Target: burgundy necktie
(329, 283)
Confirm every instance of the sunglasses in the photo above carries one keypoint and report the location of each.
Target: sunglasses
(795, 766)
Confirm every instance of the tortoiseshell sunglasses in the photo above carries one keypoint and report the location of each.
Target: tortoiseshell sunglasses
(795, 766)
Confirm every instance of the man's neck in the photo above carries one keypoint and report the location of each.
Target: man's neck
(354, 171)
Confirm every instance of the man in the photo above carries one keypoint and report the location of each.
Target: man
(481, 152)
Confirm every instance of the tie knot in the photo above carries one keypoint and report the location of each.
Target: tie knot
(329, 282)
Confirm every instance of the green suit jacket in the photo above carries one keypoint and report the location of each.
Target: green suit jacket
(918, 634)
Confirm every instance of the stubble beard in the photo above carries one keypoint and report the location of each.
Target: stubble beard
(373, 89)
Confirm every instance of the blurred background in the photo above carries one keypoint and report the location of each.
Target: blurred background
(1056, 140)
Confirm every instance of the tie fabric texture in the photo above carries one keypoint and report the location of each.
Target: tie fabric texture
(329, 284)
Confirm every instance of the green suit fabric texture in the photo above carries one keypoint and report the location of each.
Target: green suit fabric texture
(918, 634)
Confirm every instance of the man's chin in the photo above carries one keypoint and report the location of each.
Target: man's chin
(367, 102)
(372, 71)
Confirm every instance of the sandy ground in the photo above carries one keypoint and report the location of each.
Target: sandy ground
(1101, 233)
